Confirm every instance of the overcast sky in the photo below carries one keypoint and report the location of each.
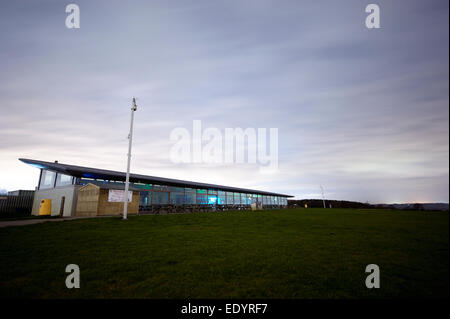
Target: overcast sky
(363, 112)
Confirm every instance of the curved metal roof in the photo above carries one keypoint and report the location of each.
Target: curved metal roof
(89, 172)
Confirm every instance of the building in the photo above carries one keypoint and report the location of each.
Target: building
(61, 183)
(16, 203)
(21, 192)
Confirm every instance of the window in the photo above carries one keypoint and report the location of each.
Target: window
(201, 199)
(237, 198)
(160, 198)
(145, 199)
(259, 199)
(141, 185)
(85, 180)
(229, 198)
(243, 199)
(190, 196)
(62, 179)
(47, 179)
(212, 199)
(249, 198)
(161, 188)
(221, 198)
(177, 196)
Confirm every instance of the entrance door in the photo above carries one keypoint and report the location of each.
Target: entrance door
(145, 201)
(61, 209)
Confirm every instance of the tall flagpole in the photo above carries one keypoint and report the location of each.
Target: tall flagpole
(127, 180)
(323, 197)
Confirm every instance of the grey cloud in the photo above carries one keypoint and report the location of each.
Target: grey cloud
(356, 109)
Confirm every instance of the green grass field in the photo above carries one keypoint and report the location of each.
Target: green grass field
(293, 253)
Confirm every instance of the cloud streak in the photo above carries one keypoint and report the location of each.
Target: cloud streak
(362, 112)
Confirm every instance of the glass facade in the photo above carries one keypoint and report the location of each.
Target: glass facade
(162, 188)
(63, 180)
(212, 199)
(177, 196)
(100, 182)
(145, 199)
(229, 198)
(160, 198)
(47, 179)
(152, 194)
(237, 198)
(221, 198)
(142, 186)
(191, 194)
(201, 199)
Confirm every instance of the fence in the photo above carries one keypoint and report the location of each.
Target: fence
(13, 205)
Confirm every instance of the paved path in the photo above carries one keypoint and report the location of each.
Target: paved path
(24, 222)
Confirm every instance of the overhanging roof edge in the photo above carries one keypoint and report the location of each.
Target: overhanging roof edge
(81, 171)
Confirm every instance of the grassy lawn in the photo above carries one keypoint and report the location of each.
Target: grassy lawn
(13, 217)
(295, 253)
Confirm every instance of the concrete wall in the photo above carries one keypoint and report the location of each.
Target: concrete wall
(70, 193)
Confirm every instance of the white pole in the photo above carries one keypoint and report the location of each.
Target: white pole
(127, 180)
(323, 197)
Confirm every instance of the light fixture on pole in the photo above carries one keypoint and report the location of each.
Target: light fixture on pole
(323, 197)
(127, 179)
